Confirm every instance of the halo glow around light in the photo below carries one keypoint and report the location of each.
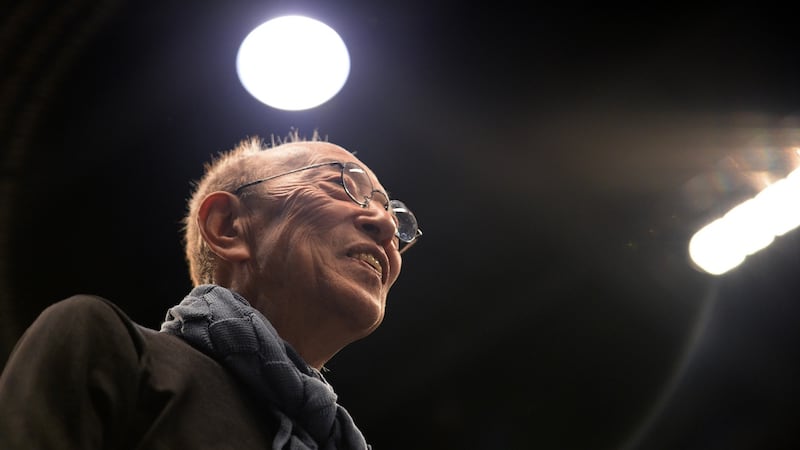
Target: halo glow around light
(293, 63)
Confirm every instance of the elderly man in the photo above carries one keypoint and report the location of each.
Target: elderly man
(292, 251)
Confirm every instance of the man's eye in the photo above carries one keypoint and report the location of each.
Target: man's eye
(333, 188)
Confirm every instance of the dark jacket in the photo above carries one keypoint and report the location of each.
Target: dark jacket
(84, 376)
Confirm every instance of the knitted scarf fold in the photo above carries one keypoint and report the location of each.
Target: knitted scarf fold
(221, 324)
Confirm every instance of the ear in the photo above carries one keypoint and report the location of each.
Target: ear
(222, 224)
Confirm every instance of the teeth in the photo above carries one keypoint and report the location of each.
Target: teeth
(369, 259)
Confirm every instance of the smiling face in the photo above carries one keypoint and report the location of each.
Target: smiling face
(320, 261)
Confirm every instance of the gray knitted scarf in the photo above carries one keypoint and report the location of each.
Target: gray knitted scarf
(221, 324)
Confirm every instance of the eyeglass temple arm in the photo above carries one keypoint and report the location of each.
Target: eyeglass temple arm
(261, 180)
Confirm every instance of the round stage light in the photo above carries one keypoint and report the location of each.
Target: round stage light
(293, 63)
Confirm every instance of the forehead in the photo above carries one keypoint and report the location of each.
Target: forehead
(294, 155)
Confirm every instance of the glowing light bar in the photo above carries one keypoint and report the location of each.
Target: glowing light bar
(749, 227)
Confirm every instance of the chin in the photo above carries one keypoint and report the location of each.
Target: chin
(360, 308)
(366, 322)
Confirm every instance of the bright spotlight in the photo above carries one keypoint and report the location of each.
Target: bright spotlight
(293, 63)
(749, 227)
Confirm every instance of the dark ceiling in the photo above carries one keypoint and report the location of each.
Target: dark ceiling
(558, 158)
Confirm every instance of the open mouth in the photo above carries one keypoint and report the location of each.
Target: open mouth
(371, 260)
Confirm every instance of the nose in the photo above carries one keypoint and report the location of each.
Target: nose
(377, 222)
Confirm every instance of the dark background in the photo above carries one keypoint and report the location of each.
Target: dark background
(558, 159)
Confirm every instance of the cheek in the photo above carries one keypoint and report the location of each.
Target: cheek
(396, 262)
(298, 249)
(312, 207)
(286, 264)
(303, 236)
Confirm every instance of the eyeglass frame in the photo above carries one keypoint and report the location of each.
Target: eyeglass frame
(363, 204)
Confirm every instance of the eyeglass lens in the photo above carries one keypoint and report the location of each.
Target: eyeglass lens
(357, 183)
(360, 188)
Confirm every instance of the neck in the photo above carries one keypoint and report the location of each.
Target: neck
(315, 339)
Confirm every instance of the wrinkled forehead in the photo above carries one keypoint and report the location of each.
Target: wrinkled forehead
(293, 155)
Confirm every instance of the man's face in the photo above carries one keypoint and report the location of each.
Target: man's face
(320, 258)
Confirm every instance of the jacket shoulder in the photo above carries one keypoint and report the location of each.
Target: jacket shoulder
(87, 318)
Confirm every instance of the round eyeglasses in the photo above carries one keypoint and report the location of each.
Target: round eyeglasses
(358, 186)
